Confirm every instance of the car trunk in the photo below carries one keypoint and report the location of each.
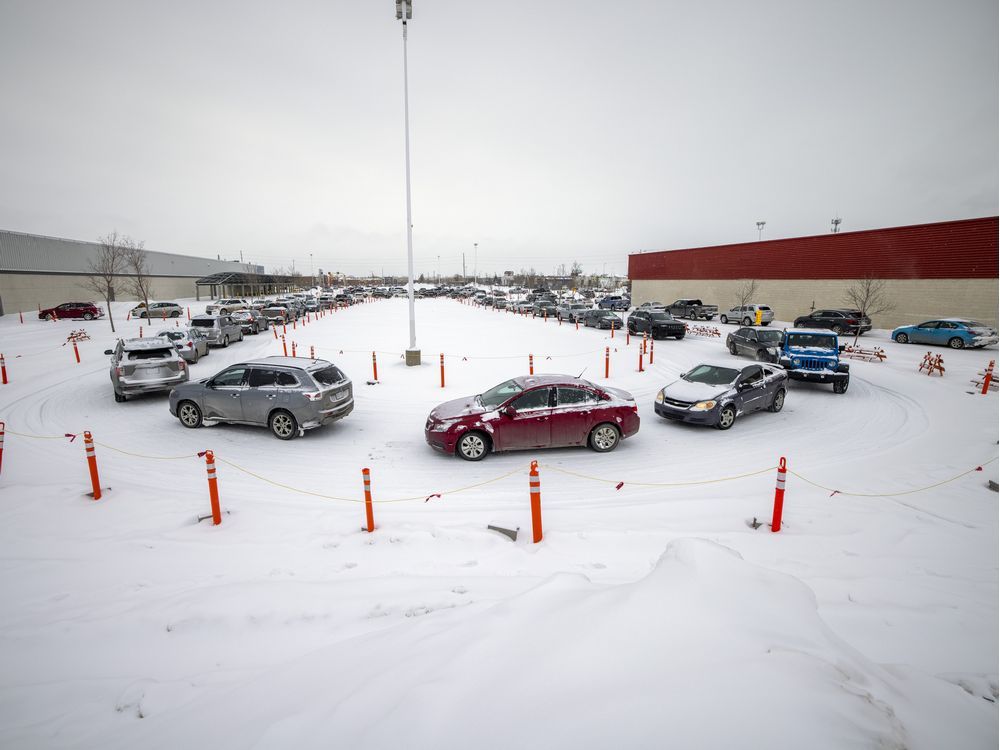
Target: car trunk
(148, 365)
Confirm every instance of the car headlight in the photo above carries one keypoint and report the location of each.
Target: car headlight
(440, 425)
(797, 362)
(831, 365)
(659, 397)
(703, 406)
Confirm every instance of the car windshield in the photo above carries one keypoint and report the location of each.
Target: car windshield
(329, 375)
(150, 354)
(711, 375)
(812, 340)
(241, 315)
(660, 317)
(770, 337)
(498, 394)
(205, 323)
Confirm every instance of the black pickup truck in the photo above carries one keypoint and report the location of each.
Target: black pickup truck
(693, 309)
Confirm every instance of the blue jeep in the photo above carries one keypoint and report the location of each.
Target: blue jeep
(814, 355)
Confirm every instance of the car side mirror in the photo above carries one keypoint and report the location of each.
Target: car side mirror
(510, 411)
(108, 351)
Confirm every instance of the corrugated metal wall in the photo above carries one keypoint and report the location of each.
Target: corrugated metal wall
(32, 253)
(945, 250)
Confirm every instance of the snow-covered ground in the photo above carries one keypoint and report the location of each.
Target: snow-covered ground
(649, 616)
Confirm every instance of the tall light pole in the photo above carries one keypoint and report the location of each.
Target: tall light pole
(475, 261)
(760, 229)
(404, 12)
(312, 275)
(836, 222)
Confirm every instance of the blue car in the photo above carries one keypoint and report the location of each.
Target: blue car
(954, 332)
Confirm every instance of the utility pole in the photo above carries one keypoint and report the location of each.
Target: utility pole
(404, 12)
(475, 261)
(760, 229)
(464, 277)
(836, 221)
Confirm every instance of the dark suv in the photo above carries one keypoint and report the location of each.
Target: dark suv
(656, 323)
(839, 321)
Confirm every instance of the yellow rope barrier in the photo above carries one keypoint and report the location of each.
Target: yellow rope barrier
(657, 484)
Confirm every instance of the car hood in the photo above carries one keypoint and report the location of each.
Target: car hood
(459, 407)
(810, 351)
(684, 390)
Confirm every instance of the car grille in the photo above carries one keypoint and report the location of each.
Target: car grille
(813, 364)
(678, 404)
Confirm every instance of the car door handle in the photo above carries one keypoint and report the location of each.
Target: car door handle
(541, 419)
(236, 395)
(273, 395)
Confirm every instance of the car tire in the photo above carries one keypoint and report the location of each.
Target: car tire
(119, 398)
(747, 322)
(723, 319)
(282, 424)
(472, 446)
(88, 316)
(189, 414)
(225, 342)
(902, 338)
(837, 330)
(197, 356)
(241, 336)
(761, 355)
(175, 314)
(727, 417)
(956, 343)
(732, 348)
(604, 438)
(778, 401)
(840, 386)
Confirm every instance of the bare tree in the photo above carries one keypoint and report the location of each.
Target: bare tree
(106, 269)
(137, 265)
(870, 296)
(746, 292)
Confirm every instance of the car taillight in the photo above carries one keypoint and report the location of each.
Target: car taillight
(119, 371)
(313, 396)
(852, 321)
(635, 408)
(190, 345)
(181, 363)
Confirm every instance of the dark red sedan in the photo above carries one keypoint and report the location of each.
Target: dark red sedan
(75, 310)
(539, 411)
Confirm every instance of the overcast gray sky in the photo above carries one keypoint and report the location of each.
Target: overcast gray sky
(545, 131)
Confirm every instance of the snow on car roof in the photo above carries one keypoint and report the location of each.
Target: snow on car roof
(303, 363)
(530, 381)
(137, 345)
(812, 331)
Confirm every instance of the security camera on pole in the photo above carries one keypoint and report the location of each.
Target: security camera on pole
(404, 12)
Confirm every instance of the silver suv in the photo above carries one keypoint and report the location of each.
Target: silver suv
(288, 395)
(226, 306)
(746, 315)
(145, 366)
(219, 330)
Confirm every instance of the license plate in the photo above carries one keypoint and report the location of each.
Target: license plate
(339, 396)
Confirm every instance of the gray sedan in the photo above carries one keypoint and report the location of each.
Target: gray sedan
(764, 346)
(715, 395)
(288, 395)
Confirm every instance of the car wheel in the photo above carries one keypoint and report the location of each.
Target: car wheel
(88, 316)
(189, 414)
(283, 425)
(778, 401)
(225, 342)
(837, 330)
(723, 319)
(732, 348)
(956, 343)
(902, 338)
(119, 397)
(761, 355)
(840, 386)
(747, 321)
(241, 336)
(604, 438)
(472, 446)
(175, 314)
(726, 417)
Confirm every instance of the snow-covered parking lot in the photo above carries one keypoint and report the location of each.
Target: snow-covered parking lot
(651, 615)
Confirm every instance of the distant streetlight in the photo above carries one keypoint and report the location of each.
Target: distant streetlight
(836, 222)
(404, 12)
(475, 261)
(312, 275)
(760, 229)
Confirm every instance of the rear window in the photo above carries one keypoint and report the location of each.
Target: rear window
(174, 335)
(151, 354)
(329, 375)
(765, 308)
(203, 323)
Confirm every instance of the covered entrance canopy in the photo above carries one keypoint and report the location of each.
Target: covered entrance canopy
(233, 284)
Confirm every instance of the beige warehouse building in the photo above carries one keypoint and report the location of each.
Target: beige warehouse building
(945, 269)
(39, 272)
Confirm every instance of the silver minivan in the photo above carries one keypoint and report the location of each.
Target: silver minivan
(746, 315)
(220, 330)
(288, 395)
(145, 366)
